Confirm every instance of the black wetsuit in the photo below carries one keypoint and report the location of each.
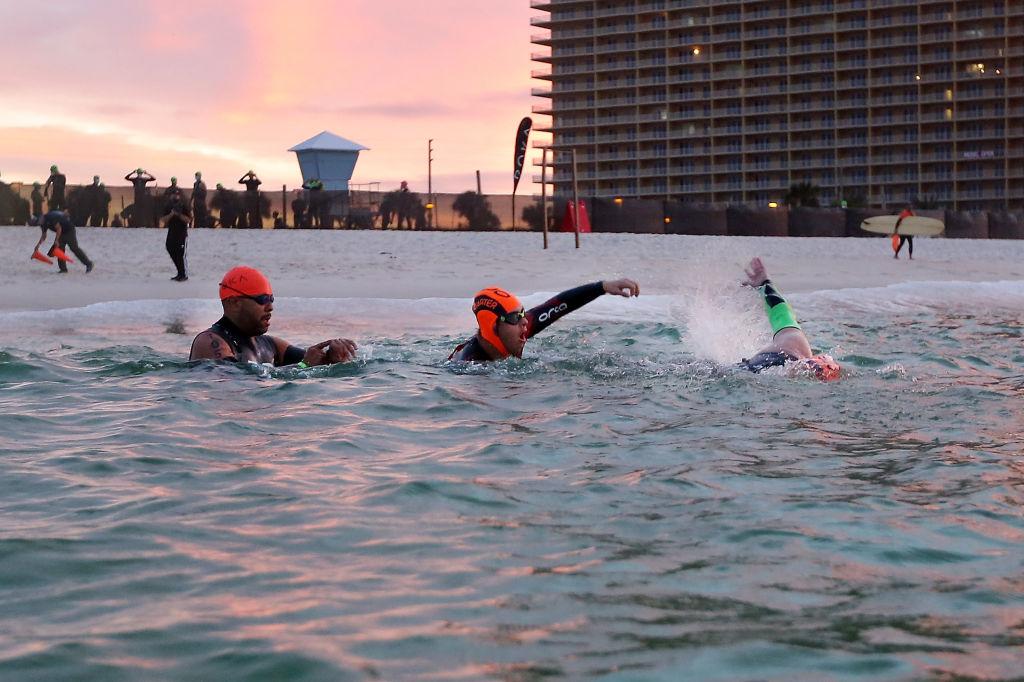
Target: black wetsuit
(299, 210)
(177, 233)
(199, 204)
(58, 181)
(68, 238)
(538, 319)
(767, 359)
(142, 205)
(904, 238)
(252, 202)
(255, 348)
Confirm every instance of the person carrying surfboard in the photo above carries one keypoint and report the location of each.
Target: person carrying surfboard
(904, 238)
(789, 345)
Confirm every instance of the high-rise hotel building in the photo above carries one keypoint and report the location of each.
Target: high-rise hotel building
(714, 101)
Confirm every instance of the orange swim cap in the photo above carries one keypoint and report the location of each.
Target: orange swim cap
(488, 304)
(824, 367)
(245, 281)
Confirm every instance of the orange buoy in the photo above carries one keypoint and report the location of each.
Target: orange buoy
(60, 255)
(895, 242)
(40, 257)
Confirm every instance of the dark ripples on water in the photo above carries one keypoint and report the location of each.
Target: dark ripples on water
(609, 506)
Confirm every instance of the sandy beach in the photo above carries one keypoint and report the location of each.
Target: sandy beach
(132, 264)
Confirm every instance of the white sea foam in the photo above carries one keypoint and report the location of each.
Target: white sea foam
(707, 310)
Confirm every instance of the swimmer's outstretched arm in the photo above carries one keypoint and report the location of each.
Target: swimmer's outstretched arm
(787, 335)
(564, 303)
(323, 353)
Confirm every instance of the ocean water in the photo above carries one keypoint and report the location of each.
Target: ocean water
(621, 504)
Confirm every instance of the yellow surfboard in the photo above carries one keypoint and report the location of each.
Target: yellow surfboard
(912, 225)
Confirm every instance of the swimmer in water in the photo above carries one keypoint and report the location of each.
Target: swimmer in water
(505, 325)
(241, 334)
(789, 345)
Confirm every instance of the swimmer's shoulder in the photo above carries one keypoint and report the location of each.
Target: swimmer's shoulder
(209, 345)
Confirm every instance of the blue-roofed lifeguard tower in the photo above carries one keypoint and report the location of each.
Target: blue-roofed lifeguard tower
(329, 158)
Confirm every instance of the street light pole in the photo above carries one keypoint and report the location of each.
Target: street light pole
(430, 182)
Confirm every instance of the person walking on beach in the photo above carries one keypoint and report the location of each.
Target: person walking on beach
(789, 343)
(64, 237)
(241, 334)
(253, 219)
(141, 208)
(176, 219)
(199, 213)
(505, 325)
(58, 182)
(904, 238)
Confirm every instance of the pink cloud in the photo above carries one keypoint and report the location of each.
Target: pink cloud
(248, 80)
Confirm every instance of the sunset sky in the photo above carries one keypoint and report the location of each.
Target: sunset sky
(105, 86)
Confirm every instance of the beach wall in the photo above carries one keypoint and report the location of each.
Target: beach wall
(646, 216)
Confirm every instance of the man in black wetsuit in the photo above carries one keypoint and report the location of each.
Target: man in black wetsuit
(299, 208)
(173, 188)
(505, 326)
(226, 203)
(64, 237)
(37, 199)
(177, 218)
(58, 182)
(241, 334)
(102, 214)
(316, 203)
(253, 219)
(199, 212)
(141, 208)
(98, 202)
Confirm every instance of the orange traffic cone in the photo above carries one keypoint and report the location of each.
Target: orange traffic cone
(60, 255)
(40, 257)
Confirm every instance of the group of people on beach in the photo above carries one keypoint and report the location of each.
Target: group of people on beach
(504, 326)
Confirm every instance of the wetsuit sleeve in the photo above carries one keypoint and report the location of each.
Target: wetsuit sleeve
(546, 313)
(292, 355)
(780, 313)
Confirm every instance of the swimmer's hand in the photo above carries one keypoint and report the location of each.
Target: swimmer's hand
(621, 287)
(330, 352)
(756, 274)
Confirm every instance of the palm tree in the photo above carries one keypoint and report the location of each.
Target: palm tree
(803, 194)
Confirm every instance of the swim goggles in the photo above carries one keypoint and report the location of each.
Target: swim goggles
(513, 317)
(261, 299)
